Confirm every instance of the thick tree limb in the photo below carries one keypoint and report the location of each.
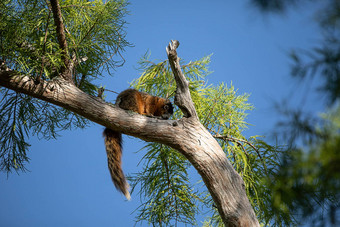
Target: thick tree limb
(65, 94)
(202, 150)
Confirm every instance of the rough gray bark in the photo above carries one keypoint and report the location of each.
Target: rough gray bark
(187, 135)
(202, 150)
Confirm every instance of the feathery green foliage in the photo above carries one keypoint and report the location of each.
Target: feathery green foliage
(94, 32)
(95, 36)
(169, 197)
(223, 112)
(22, 116)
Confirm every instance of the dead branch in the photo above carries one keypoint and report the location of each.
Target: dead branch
(182, 98)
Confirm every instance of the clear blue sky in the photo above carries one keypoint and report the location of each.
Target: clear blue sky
(69, 183)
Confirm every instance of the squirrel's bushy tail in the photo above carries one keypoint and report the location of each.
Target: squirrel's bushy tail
(113, 145)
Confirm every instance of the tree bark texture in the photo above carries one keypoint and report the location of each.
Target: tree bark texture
(186, 135)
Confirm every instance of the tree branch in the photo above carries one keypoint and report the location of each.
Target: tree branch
(182, 97)
(239, 142)
(206, 155)
(65, 94)
(58, 20)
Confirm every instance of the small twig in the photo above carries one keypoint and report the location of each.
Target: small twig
(46, 30)
(240, 141)
(116, 51)
(82, 79)
(74, 43)
(122, 58)
(173, 194)
(231, 152)
(111, 91)
(169, 95)
(212, 108)
(38, 78)
(80, 6)
(88, 32)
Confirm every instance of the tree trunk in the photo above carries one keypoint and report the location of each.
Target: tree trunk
(187, 135)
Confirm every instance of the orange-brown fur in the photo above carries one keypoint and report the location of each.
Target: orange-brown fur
(139, 102)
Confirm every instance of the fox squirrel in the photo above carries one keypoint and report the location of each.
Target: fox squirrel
(141, 103)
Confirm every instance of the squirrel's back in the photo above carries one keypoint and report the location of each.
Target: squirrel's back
(139, 102)
(144, 103)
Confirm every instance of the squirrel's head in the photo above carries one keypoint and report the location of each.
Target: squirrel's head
(166, 109)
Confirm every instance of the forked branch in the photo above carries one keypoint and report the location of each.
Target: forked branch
(182, 98)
